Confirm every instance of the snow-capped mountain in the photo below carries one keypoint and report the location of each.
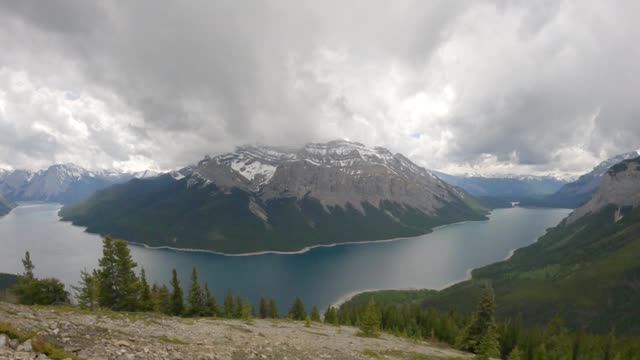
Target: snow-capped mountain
(63, 183)
(508, 187)
(261, 198)
(336, 173)
(578, 192)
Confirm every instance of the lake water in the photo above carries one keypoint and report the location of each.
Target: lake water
(321, 276)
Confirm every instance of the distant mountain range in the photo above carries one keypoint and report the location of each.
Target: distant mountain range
(5, 205)
(578, 192)
(586, 269)
(500, 191)
(62, 183)
(262, 198)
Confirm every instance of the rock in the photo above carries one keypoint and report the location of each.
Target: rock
(4, 341)
(25, 347)
(121, 343)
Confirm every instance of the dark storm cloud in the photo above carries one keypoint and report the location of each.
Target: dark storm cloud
(484, 85)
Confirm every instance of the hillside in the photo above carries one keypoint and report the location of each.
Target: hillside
(107, 335)
(586, 269)
(5, 205)
(275, 199)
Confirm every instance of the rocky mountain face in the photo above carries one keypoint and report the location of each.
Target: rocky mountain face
(619, 186)
(63, 183)
(262, 198)
(578, 192)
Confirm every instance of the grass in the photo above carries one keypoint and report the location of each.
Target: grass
(239, 328)
(396, 354)
(171, 340)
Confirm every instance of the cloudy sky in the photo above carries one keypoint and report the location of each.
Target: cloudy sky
(464, 86)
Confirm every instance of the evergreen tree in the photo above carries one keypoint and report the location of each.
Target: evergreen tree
(273, 309)
(237, 309)
(165, 301)
(331, 316)
(489, 346)
(210, 302)
(126, 283)
(177, 301)
(370, 323)
(87, 292)
(145, 302)
(228, 305)
(315, 314)
(28, 266)
(558, 342)
(245, 312)
(297, 311)
(107, 274)
(482, 321)
(196, 296)
(516, 354)
(263, 308)
(307, 321)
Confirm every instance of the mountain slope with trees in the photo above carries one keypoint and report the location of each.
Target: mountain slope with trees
(272, 199)
(5, 205)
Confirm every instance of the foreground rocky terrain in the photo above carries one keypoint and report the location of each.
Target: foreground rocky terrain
(108, 335)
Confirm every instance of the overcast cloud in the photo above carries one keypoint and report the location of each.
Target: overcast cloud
(464, 86)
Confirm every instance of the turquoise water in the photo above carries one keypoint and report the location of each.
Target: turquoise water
(320, 276)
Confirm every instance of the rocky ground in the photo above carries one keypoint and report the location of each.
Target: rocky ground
(108, 335)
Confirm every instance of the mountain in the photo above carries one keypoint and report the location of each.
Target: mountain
(5, 205)
(262, 198)
(63, 183)
(576, 193)
(500, 191)
(586, 269)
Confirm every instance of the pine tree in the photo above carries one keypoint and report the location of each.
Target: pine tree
(263, 308)
(28, 266)
(196, 296)
(107, 274)
(210, 302)
(144, 303)
(237, 309)
(307, 321)
(489, 346)
(126, 284)
(164, 297)
(297, 311)
(515, 354)
(370, 323)
(331, 316)
(177, 301)
(315, 314)
(87, 292)
(228, 305)
(245, 312)
(273, 309)
(482, 321)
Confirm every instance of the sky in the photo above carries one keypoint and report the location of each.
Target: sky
(482, 87)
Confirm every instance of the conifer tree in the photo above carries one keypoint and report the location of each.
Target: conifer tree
(297, 311)
(482, 321)
(196, 296)
(245, 310)
(370, 323)
(164, 296)
(237, 309)
(28, 266)
(87, 292)
(273, 309)
(228, 305)
(307, 321)
(489, 346)
(107, 274)
(33, 291)
(315, 314)
(177, 301)
(210, 302)
(126, 284)
(263, 308)
(516, 354)
(145, 302)
(331, 316)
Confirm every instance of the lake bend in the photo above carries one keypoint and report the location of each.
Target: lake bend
(320, 276)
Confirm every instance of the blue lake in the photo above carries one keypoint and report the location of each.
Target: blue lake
(321, 276)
